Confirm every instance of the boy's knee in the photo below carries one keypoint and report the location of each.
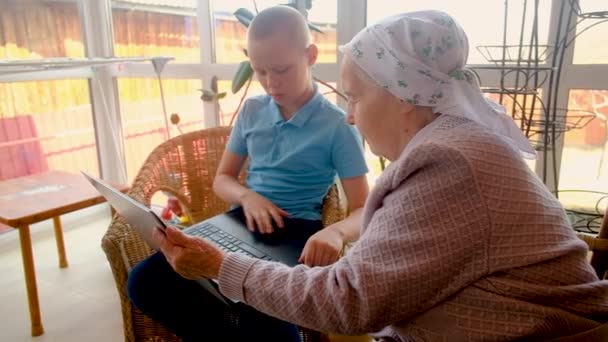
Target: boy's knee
(142, 281)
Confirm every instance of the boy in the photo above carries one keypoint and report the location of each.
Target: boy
(296, 142)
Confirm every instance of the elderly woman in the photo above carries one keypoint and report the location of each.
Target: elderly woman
(459, 240)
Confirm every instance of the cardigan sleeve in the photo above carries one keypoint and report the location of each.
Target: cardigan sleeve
(426, 240)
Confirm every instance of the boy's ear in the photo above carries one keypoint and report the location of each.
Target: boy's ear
(312, 52)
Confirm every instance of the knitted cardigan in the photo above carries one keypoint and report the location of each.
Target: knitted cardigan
(460, 241)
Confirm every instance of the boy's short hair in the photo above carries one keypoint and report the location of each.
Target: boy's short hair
(280, 19)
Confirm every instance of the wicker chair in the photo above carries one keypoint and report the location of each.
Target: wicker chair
(598, 247)
(184, 167)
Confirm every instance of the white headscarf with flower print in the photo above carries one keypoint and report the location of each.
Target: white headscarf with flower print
(419, 57)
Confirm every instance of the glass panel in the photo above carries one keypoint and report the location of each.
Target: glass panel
(520, 107)
(584, 164)
(40, 29)
(230, 103)
(482, 30)
(156, 28)
(324, 15)
(143, 119)
(590, 47)
(46, 125)
(374, 166)
(229, 33)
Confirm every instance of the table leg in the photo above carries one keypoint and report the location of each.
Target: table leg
(30, 280)
(63, 260)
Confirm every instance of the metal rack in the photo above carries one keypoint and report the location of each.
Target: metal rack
(530, 75)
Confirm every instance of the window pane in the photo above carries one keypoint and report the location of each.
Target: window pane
(519, 107)
(584, 159)
(143, 121)
(230, 103)
(229, 33)
(482, 30)
(324, 15)
(37, 29)
(590, 47)
(156, 28)
(46, 125)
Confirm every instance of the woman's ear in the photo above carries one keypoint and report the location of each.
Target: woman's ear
(312, 52)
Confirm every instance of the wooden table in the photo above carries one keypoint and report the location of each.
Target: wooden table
(31, 199)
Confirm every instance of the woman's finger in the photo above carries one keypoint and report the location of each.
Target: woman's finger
(178, 237)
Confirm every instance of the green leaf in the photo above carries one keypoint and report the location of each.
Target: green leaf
(221, 95)
(244, 16)
(243, 74)
(315, 28)
(207, 95)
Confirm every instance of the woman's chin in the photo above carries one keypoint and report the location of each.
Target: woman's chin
(376, 152)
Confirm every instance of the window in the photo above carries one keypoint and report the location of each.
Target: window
(324, 14)
(156, 28)
(584, 164)
(481, 20)
(230, 103)
(229, 33)
(40, 29)
(519, 107)
(143, 122)
(590, 47)
(46, 125)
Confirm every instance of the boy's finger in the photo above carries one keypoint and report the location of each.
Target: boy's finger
(267, 221)
(303, 254)
(260, 225)
(283, 212)
(276, 216)
(250, 225)
(319, 257)
(307, 257)
(327, 259)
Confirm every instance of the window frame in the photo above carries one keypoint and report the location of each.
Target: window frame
(96, 23)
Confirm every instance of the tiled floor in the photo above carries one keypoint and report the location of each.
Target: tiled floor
(78, 303)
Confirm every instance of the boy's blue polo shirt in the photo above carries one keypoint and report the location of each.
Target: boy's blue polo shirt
(293, 163)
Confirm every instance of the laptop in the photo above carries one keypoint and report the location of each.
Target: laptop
(228, 231)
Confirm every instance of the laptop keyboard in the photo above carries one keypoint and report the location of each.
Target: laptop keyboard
(225, 241)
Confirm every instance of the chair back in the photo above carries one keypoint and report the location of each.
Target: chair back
(185, 167)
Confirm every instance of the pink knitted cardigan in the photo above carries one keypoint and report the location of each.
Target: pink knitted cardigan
(460, 241)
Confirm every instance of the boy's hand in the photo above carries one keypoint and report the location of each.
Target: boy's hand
(260, 213)
(323, 248)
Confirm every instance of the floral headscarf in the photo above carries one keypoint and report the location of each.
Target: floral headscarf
(419, 57)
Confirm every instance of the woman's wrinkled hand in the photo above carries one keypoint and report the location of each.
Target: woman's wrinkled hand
(260, 213)
(191, 257)
(323, 248)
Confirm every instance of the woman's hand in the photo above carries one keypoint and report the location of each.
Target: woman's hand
(260, 212)
(323, 248)
(191, 257)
